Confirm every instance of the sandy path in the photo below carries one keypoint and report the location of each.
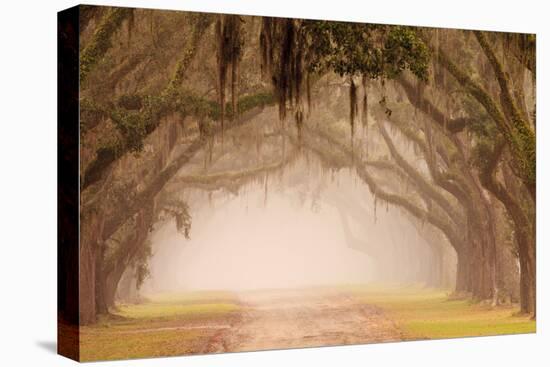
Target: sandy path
(296, 319)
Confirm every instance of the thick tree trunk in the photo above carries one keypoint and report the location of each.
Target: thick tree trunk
(91, 231)
(483, 263)
(101, 303)
(127, 291)
(490, 289)
(471, 277)
(527, 281)
(462, 273)
(107, 284)
(111, 286)
(87, 284)
(108, 278)
(123, 291)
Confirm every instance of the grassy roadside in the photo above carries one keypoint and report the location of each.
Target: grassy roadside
(423, 313)
(166, 325)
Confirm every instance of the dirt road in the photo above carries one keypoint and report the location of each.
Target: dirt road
(295, 319)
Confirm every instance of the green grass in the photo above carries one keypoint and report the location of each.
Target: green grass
(423, 313)
(175, 311)
(193, 297)
(111, 345)
(164, 325)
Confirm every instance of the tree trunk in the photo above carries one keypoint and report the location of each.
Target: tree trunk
(527, 281)
(111, 286)
(87, 284)
(462, 273)
(483, 264)
(91, 230)
(108, 277)
(102, 307)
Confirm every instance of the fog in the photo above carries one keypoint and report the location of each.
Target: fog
(305, 226)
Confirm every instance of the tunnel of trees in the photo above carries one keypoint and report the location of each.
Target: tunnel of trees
(437, 124)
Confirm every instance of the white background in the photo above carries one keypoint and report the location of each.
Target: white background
(28, 182)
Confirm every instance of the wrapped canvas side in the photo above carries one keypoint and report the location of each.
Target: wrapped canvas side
(68, 187)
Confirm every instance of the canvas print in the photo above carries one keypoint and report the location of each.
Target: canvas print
(238, 183)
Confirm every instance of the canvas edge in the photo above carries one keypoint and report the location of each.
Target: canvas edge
(68, 196)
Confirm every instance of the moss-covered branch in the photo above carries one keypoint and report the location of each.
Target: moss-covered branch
(523, 140)
(101, 40)
(520, 139)
(201, 24)
(232, 180)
